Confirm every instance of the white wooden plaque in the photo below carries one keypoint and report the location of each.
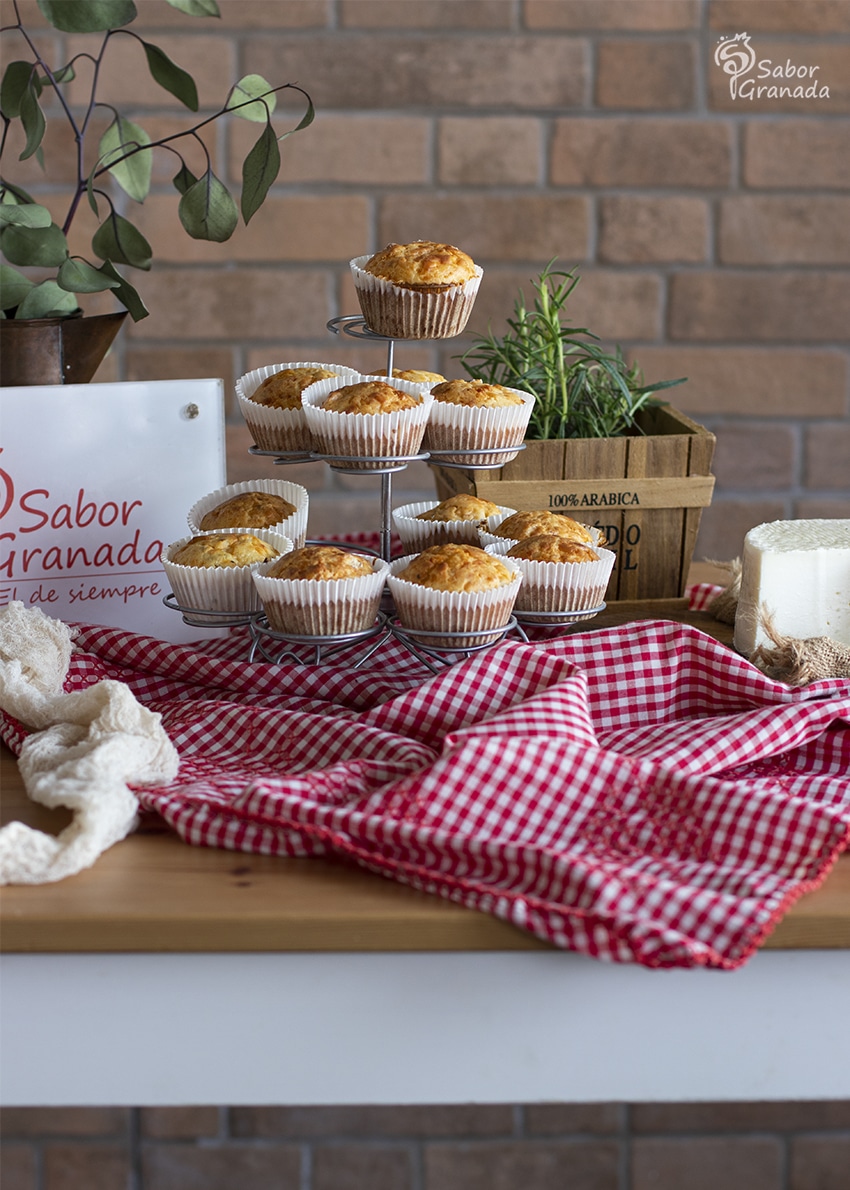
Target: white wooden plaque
(94, 480)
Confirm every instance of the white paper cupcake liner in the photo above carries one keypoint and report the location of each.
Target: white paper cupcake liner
(285, 430)
(418, 535)
(217, 588)
(401, 313)
(351, 436)
(486, 538)
(294, 527)
(316, 607)
(459, 428)
(450, 612)
(561, 586)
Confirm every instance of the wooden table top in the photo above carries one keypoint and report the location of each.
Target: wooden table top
(152, 892)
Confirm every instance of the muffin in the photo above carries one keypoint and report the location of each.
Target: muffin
(270, 401)
(414, 374)
(212, 571)
(560, 575)
(359, 419)
(421, 290)
(251, 505)
(470, 415)
(536, 522)
(454, 588)
(457, 519)
(321, 590)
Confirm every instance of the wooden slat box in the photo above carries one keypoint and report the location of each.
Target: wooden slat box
(647, 491)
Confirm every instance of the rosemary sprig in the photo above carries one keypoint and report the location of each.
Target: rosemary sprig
(582, 390)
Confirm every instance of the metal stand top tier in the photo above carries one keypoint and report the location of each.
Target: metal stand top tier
(356, 327)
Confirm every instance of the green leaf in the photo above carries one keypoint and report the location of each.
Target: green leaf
(207, 210)
(183, 179)
(305, 121)
(88, 16)
(47, 300)
(78, 276)
(16, 82)
(25, 214)
(248, 91)
(13, 194)
(45, 247)
(196, 8)
(133, 173)
(171, 77)
(63, 75)
(126, 293)
(259, 170)
(32, 119)
(117, 239)
(14, 287)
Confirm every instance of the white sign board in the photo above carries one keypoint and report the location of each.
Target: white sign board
(94, 480)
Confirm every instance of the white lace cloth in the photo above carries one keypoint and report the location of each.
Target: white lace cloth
(85, 748)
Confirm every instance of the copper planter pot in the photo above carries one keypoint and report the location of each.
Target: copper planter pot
(55, 350)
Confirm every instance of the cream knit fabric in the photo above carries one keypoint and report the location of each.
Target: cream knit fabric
(84, 749)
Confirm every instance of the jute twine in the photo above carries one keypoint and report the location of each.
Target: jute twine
(796, 662)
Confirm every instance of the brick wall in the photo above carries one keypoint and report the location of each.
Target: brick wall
(752, 1146)
(712, 234)
(713, 239)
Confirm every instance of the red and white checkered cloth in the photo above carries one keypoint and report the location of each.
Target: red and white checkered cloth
(639, 794)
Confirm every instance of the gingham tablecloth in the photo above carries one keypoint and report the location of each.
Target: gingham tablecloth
(638, 794)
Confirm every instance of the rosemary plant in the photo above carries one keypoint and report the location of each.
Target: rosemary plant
(582, 390)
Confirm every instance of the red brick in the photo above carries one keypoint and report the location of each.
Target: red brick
(237, 15)
(557, 1119)
(828, 462)
(374, 1121)
(182, 363)
(544, 1165)
(723, 527)
(819, 1162)
(814, 229)
(18, 1170)
(704, 1164)
(220, 1167)
(346, 148)
(782, 1116)
(774, 382)
(64, 1121)
(361, 1167)
(646, 75)
(93, 1166)
(513, 72)
(641, 152)
(767, 306)
(178, 1123)
(210, 60)
(804, 154)
(753, 456)
(832, 59)
(489, 150)
(634, 229)
(822, 509)
(780, 16)
(617, 16)
(494, 227)
(426, 14)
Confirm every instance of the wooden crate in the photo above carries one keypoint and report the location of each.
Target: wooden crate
(646, 491)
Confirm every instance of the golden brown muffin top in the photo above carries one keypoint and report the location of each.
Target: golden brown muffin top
(422, 263)
(248, 510)
(549, 547)
(462, 507)
(322, 562)
(475, 393)
(413, 374)
(224, 549)
(283, 390)
(369, 396)
(455, 567)
(532, 524)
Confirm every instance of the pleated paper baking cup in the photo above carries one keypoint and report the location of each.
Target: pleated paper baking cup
(503, 544)
(354, 438)
(321, 607)
(451, 612)
(294, 527)
(460, 428)
(285, 430)
(561, 587)
(217, 588)
(418, 535)
(435, 312)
